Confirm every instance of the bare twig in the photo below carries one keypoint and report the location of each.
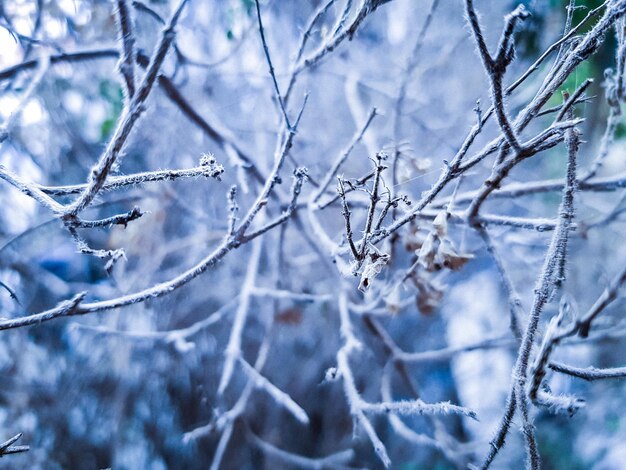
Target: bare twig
(497, 64)
(589, 373)
(7, 127)
(127, 39)
(7, 447)
(299, 461)
(133, 112)
(266, 50)
(233, 349)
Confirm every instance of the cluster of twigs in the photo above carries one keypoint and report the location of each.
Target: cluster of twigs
(387, 218)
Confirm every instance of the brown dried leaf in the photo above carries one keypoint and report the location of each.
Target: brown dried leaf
(289, 316)
(428, 298)
(448, 256)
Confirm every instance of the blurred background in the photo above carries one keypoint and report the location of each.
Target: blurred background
(105, 390)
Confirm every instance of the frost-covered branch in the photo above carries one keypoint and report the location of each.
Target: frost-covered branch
(7, 447)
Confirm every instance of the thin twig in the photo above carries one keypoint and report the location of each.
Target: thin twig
(271, 66)
(133, 112)
(127, 39)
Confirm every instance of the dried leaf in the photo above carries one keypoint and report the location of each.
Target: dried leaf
(428, 298)
(289, 316)
(372, 267)
(438, 251)
(428, 252)
(448, 257)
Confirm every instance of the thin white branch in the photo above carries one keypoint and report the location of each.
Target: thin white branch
(281, 398)
(233, 348)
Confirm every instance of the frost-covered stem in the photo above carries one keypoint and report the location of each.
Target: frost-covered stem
(61, 57)
(346, 215)
(533, 460)
(566, 211)
(300, 175)
(620, 55)
(560, 44)
(131, 115)
(546, 283)
(7, 447)
(112, 256)
(170, 336)
(351, 343)
(117, 182)
(374, 198)
(119, 219)
(164, 288)
(342, 18)
(513, 190)
(365, 8)
(157, 290)
(65, 308)
(515, 303)
(390, 203)
(414, 407)
(358, 406)
(227, 421)
(233, 208)
(43, 63)
(569, 102)
(282, 294)
(337, 460)
(557, 332)
(356, 411)
(550, 279)
(30, 189)
(268, 58)
(397, 424)
(284, 143)
(538, 224)
(233, 348)
(127, 40)
(355, 184)
(612, 121)
(607, 297)
(589, 373)
(306, 34)
(546, 139)
(42, 193)
(496, 66)
(499, 437)
(588, 45)
(281, 398)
